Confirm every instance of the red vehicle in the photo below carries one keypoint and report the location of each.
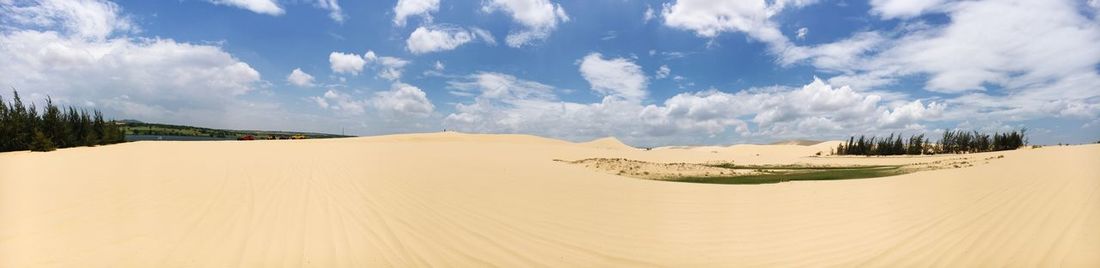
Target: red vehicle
(246, 138)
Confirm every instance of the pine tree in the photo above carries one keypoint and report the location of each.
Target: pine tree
(87, 134)
(72, 119)
(899, 147)
(99, 127)
(41, 143)
(20, 137)
(22, 127)
(52, 124)
(6, 134)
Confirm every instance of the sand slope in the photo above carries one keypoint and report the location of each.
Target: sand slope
(499, 200)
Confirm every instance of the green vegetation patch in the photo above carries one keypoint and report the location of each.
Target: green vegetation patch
(131, 127)
(777, 174)
(794, 167)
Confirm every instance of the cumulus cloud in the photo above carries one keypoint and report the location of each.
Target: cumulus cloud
(538, 17)
(504, 103)
(389, 68)
(801, 34)
(1051, 74)
(617, 77)
(268, 7)
(300, 78)
(343, 103)
(709, 18)
(49, 60)
(408, 8)
(427, 39)
(75, 52)
(814, 108)
(370, 56)
(349, 63)
(403, 100)
(400, 102)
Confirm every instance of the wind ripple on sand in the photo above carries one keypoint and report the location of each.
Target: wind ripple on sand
(484, 200)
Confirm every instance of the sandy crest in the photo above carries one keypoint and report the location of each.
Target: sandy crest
(453, 199)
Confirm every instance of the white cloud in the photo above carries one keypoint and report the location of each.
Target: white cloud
(88, 19)
(48, 60)
(618, 77)
(272, 7)
(837, 56)
(403, 100)
(341, 102)
(649, 14)
(300, 78)
(438, 66)
(538, 17)
(370, 56)
(497, 86)
(987, 34)
(503, 103)
(663, 72)
(409, 8)
(889, 9)
(484, 35)
(814, 108)
(802, 33)
(441, 38)
(268, 7)
(334, 10)
(350, 63)
(425, 40)
(709, 18)
(391, 67)
(69, 52)
(1001, 77)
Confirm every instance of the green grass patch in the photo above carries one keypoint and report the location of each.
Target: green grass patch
(794, 167)
(775, 174)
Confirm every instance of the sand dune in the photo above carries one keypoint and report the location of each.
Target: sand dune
(500, 200)
(797, 142)
(608, 143)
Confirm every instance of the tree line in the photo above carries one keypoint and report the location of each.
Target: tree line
(22, 127)
(952, 141)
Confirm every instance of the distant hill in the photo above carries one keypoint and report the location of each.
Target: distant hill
(135, 127)
(796, 142)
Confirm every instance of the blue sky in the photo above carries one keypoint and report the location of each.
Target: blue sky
(648, 72)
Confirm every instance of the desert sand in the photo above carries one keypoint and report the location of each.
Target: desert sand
(464, 200)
